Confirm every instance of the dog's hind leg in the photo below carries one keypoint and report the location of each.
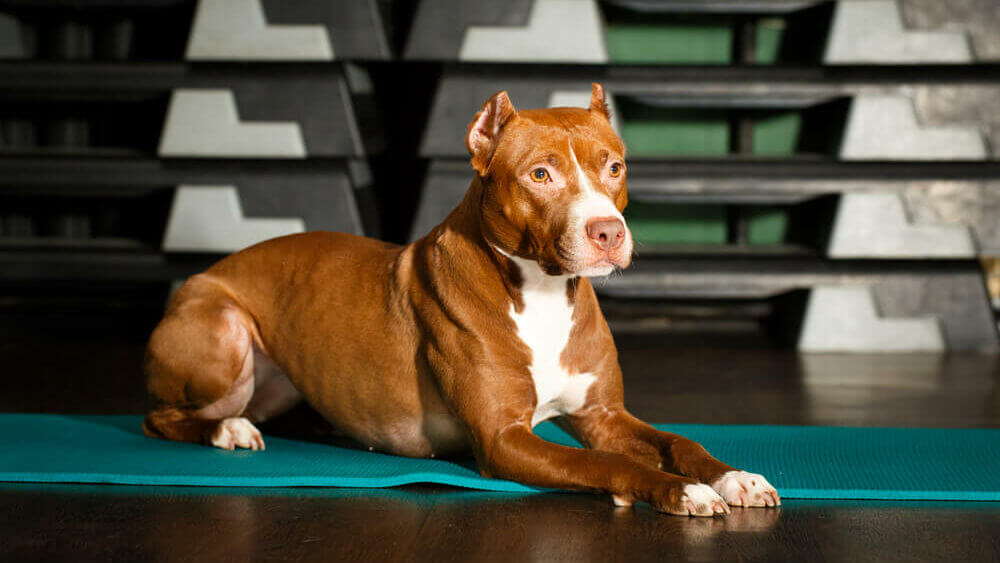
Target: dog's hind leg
(199, 369)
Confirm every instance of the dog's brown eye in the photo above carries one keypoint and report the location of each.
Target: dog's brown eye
(615, 170)
(539, 174)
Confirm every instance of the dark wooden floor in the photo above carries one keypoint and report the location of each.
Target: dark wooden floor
(682, 378)
(174, 524)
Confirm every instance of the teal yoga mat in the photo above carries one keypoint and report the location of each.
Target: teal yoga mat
(801, 461)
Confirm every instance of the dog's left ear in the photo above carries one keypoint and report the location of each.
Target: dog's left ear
(597, 102)
(484, 131)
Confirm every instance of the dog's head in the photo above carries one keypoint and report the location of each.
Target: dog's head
(553, 185)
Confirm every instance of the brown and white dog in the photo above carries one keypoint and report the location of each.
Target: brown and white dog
(463, 340)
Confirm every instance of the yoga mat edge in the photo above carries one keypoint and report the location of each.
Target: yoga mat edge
(802, 462)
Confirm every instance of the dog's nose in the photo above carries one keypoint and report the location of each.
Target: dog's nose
(607, 232)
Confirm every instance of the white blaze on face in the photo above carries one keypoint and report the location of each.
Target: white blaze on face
(544, 325)
(591, 204)
(581, 176)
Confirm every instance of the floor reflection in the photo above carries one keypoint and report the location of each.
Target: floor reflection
(172, 523)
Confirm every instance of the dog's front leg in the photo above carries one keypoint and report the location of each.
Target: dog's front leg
(613, 429)
(515, 453)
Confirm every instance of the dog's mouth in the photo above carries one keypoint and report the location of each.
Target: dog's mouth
(608, 263)
(578, 257)
(600, 266)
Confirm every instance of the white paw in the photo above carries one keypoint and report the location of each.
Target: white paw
(235, 433)
(740, 488)
(701, 500)
(620, 501)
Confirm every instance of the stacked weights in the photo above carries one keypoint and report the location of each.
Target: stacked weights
(140, 141)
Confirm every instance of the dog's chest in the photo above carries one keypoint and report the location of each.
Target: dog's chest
(544, 325)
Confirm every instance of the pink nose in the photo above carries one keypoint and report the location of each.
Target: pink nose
(608, 233)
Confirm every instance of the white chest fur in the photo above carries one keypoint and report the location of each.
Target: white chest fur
(544, 325)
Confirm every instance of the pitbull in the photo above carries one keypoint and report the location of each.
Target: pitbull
(460, 342)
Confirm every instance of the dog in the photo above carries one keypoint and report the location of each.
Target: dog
(462, 341)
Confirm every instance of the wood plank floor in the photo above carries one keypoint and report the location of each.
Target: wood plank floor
(414, 524)
(677, 378)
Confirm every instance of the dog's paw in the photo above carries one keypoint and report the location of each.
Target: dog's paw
(683, 498)
(701, 500)
(740, 488)
(232, 433)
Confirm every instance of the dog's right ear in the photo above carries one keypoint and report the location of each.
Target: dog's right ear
(484, 131)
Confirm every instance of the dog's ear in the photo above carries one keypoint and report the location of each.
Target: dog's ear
(484, 131)
(597, 102)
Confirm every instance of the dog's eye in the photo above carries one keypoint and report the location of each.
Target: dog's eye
(615, 170)
(539, 174)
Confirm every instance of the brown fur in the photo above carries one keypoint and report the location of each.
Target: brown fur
(411, 349)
